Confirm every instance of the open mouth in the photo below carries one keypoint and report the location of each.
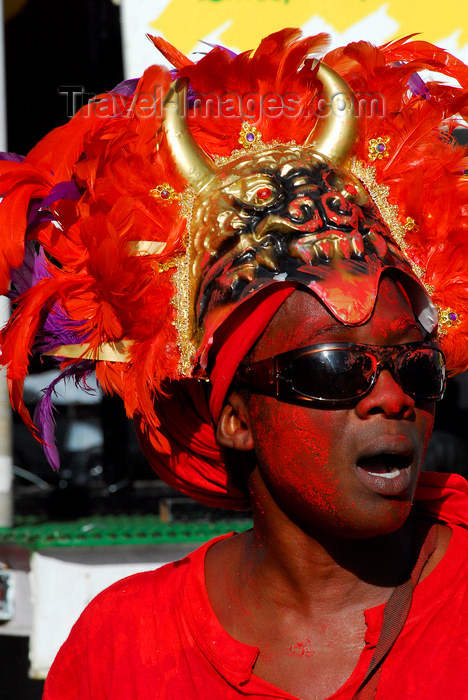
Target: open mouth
(385, 465)
(386, 473)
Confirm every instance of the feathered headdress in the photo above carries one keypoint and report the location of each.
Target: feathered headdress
(101, 221)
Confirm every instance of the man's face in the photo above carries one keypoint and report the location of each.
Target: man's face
(352, 471)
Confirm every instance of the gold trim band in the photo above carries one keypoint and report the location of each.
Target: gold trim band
(106, 352)
(145, 247)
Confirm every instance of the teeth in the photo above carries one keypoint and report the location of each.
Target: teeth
(387, 475)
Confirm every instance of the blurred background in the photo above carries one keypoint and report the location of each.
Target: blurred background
(57, 48)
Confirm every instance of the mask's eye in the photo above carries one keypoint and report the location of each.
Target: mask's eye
(258, 190)
(263, 193)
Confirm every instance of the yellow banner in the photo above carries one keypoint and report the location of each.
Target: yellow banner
(240, 24)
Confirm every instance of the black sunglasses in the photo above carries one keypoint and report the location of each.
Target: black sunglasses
(340, 373)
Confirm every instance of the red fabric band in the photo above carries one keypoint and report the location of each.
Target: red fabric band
(184, 452)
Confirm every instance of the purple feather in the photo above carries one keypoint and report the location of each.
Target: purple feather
(62, 190)
(45, 423)
(11, 156)
(230, 52)
(29, 272)
(418, 87)
(126, 87)
(41, 211)
(58, 332)
(39, 271)
(58, 323)
(44, 411)
(58, 329)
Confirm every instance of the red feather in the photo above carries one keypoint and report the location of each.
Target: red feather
(170, 53)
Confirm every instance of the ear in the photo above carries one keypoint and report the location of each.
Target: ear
(233, 427)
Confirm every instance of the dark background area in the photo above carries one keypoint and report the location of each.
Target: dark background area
(54, 43)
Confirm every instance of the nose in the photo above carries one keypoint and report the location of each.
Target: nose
(386, 397)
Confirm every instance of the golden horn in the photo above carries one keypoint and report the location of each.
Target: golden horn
(191, 161)
(335, 135)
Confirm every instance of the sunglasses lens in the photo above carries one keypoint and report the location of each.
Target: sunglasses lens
(343, 373)
(422, 373)
(340, 374)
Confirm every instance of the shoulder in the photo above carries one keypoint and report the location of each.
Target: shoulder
(456, 555)
(444, 583)
(150, 596)
(442, 497)
(127, 629)
(128, 595)
(433, 645)
(102, 643)
(150, 591)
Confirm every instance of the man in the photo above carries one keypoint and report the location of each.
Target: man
(293, 608)
(301, 291)
(331, 533)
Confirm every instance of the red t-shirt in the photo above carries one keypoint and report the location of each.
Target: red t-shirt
(155, 635)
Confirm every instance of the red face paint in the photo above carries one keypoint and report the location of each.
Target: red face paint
(350, 471)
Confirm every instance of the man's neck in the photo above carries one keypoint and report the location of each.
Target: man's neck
(300, 595)
(313, 570)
